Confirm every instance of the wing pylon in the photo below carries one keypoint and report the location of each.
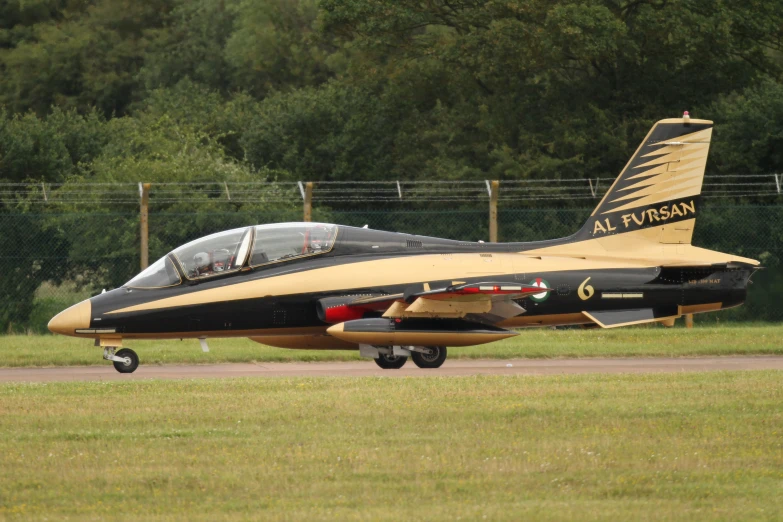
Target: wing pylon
(486, 302)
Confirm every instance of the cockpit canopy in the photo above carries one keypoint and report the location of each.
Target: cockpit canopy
(227, 252)
(159, 274)
(219, 253)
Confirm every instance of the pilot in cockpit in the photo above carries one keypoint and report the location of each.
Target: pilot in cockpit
(201, 265)
(228, 252)
(220, 261)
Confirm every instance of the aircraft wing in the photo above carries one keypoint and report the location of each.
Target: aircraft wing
(487, 303)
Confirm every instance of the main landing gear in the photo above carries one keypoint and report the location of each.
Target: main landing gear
(125, 360)
(391, 362)
(395, 357)
(434, 358)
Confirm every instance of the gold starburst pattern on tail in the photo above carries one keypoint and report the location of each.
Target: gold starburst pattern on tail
(675, 170)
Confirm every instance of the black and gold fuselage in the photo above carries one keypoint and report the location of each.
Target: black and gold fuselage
(278, 304)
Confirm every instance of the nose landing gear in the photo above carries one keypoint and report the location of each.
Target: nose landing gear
(125, 360)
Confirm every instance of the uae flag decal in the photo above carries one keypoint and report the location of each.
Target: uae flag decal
(540, 283)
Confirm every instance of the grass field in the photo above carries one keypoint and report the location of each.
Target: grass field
(591, 447)
(49, 350)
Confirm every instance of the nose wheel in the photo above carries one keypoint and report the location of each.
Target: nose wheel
(124, 360)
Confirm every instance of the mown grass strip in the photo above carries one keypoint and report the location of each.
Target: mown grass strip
(49, 350)
(590, 447)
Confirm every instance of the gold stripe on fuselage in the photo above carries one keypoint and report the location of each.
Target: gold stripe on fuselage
(527, 321)
(644, 247)
(385, 272)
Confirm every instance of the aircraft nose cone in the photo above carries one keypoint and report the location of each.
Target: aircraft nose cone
(77, 316)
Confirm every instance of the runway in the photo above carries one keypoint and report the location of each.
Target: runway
(454, 368)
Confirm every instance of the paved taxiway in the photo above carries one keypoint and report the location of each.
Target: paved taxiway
(458, 367)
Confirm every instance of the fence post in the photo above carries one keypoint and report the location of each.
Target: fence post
(145, 229)
(493, 211)
(308, 201)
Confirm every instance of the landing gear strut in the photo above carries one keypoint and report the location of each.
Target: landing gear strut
(433, 358)
(125, 360)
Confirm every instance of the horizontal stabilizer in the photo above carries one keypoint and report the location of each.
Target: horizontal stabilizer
(615, 318)
(417, 332)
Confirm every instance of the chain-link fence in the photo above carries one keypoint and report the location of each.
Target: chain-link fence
(54, 257)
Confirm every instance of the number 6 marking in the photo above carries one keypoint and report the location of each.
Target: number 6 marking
(585, 291)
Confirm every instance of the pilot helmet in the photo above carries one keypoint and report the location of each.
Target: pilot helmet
(201, 260)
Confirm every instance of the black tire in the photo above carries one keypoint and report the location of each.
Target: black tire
(126, 368)
(431, 360)
(391, 362)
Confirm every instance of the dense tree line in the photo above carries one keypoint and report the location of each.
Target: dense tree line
(350, 89)
(120, 90)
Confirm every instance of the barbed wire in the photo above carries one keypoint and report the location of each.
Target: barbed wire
(411, 191)
(350, 182)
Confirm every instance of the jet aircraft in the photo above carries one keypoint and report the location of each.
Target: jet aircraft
(393, 296)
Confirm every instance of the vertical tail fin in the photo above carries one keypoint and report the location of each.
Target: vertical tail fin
(656, 196)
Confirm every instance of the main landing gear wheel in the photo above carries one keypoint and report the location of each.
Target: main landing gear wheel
(391, 362)
(130, 362)
(434, 359)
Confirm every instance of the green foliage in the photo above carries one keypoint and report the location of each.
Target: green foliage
(564, 88)
(399, 87)
(87, 55)
(30, 249)
(41, 149)
(254, 46)
(48, 149)
(749, 131)
(273, 47)
(190, 46)
(327, 133)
